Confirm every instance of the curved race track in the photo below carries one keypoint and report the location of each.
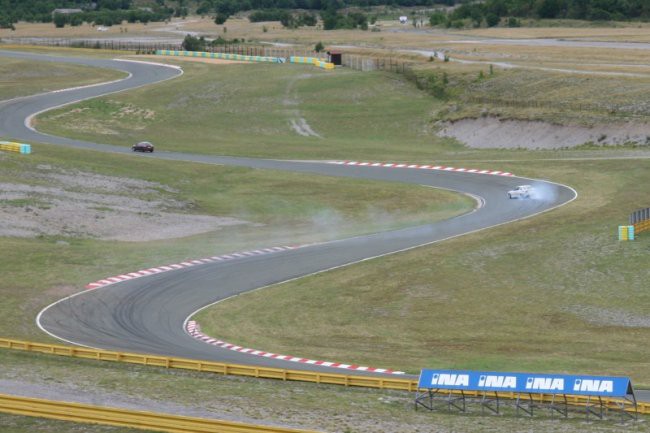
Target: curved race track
(147, 314)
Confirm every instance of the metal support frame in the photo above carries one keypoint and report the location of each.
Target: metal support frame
(490, 402)
(562, 407)
(527, 406)
(589, 408)
(451, 400)
(433, 399)
(622, 408)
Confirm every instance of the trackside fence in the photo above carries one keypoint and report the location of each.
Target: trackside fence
(377, 382)
(640, 219)
(128, 418)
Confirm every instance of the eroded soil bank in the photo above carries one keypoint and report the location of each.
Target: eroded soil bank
(494, 133)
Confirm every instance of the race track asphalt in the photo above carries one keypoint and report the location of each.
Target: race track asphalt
(147, 315)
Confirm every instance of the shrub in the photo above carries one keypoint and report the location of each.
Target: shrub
(437, 18)
(491, 19)
(220, 19)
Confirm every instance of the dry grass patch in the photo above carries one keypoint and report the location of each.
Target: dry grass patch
(622, 31)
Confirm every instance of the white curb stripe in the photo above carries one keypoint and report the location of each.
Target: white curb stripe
(194, 330)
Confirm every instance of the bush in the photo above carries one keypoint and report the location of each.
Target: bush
(437, 18)
(491, 19)
(220, 19)
(319, 47)
(599, 15)
(191, 43)
(513, 22)
(60, 20)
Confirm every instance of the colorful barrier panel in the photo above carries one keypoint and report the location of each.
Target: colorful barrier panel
(488, 385)
(625, 233)
(311, 61)
(641, 226)
(222, 56)
(10, 146)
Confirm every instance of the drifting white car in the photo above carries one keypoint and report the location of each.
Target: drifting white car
(522, 191)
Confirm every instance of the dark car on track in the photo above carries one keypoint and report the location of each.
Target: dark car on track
(143, 146)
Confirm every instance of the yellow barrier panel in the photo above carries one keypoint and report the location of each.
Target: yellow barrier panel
(128, 418)
(642, 226)
(392, 383)
(11, 146)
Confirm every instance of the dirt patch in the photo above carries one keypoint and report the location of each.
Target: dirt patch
(490, 132)
(57, 202)
(298, 123)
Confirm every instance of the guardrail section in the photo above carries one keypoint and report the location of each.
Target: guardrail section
(84, 413)
(377, 382)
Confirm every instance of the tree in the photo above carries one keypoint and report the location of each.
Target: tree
(319, 47)
(192, 43)
(491, 19)
(437, 18)
(220, 19)
(60, 20)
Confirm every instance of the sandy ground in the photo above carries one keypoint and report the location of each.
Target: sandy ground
(490, 132)
(57, 202)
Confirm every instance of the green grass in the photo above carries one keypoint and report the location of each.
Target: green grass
(284, 208)
(25, 77)
(247, 109)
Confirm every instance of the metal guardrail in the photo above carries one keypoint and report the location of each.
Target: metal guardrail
(388, 383)
(85, 413)
(400, 384)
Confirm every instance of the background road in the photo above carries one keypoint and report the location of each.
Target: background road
(147, 314)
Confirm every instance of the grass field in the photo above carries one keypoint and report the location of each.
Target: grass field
(23, 77)
(217, 103)
(281, 208)
(394, 294)
(577, 301)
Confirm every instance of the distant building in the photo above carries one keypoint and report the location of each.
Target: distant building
(66, 11)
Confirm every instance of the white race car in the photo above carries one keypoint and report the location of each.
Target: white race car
(522, 191)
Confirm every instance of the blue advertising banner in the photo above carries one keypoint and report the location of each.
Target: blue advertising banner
(603, 386)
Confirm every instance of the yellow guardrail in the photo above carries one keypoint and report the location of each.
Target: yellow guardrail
(85, 413)
(391, 383)
(211, 367)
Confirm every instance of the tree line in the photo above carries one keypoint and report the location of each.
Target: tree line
(333, 13)
(100, 12)
(491, 12)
